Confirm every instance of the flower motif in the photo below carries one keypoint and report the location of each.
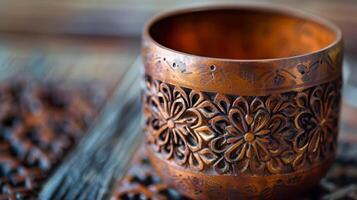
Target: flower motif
(175, 126)
(247, 138)
(243, 132)
(235, 134)
(251, 133)
(317, 125)
(170, 126)
(247, 134)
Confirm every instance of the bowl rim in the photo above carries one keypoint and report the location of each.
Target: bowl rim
(274, 8)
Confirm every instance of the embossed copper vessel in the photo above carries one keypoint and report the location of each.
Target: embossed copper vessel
(241, 101)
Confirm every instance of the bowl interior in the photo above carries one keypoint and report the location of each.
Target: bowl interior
(241, 33)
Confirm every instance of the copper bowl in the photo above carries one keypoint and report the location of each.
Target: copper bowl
(241, 101)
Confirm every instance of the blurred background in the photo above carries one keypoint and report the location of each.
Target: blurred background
(95, 43)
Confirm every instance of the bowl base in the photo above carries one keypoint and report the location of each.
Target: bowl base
(203, 186)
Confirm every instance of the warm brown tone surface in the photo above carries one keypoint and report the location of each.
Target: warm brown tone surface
(245, 34)
(39, 123)
(259, 77)
(215, 135)
(141, 182)
(241, 128)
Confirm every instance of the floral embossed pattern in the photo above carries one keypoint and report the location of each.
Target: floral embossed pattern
(230, 134)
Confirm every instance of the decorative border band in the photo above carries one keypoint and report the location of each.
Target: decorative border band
(229, 134)
(244, 78)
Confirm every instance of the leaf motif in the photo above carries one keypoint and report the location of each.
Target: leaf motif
(317, 108)
(180, 93)
(163, 135)
(315, 138)
(196, 162)
(273, 103)
(193, 141)
(256, 105)
(329, 94)
(238, 120)
(181, 153)
(222, 103)
(317, 92)
(261, 119)
(218, 144)
(331, 100)
(277, 123)
(196, 98)
(242, 104)
(236, 151)
(177, 109)
(287, 157)
(288, 108)
(221, 166)
(162, 105)
(194, 118)
(297, 147)
(274, 166)
(205, 133)
(298, 119)
(302, 100)
(299, 161)
(207, 156)
(219, 123)
(208, 109)
(166, 91)
(261, 151)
